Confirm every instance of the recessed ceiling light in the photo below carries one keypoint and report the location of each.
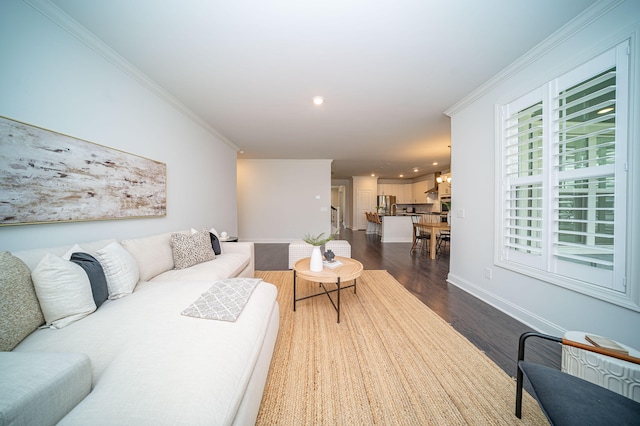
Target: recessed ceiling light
(372, 175)
(318, 100)
(435, 163)
(401, 175)
(415, 170)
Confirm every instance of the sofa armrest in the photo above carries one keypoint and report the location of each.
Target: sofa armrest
(245, 247)
(41, 387)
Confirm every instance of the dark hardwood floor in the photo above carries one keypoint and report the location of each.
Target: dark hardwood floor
(489, 329)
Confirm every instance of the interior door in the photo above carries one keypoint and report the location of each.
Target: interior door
(364, 199)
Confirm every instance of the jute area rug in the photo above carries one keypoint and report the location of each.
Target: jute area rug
(390, 361)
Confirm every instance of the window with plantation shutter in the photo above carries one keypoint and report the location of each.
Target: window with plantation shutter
(564, 180)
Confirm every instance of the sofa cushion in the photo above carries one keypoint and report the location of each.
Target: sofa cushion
(96, 276)
(120, 269)
(227, 265)
(20, 312)
(40, 388)
(152, 254)
(63, 290)
(189, 250)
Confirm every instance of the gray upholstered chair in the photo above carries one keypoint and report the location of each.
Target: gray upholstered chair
(570, 400)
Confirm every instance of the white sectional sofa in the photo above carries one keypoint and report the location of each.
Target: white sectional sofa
(148, 362)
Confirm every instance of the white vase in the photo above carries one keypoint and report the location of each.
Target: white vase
(315, 265)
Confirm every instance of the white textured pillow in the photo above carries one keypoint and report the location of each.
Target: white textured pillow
(63, 290)
(120, 269)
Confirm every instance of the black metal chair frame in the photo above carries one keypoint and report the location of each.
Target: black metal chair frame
(444, 237)
(519, 374)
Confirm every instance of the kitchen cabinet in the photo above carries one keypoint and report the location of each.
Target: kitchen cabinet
(397, 229)
(401, 191)
(444, 189)
(406, 193)
(418, 190)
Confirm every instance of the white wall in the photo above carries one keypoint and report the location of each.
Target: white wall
(544, 306)
(282, 200)
(51, 79)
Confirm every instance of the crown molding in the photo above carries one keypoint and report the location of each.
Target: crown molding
(71, 26)
(577, 24)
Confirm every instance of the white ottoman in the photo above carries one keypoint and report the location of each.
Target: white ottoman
(299, 250)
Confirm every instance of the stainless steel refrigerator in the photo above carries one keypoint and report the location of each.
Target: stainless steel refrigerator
(386, 204)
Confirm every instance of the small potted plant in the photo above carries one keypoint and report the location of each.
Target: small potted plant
(315, 265)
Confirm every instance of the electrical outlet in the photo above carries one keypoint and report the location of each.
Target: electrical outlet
(488, 273)
(460, 212)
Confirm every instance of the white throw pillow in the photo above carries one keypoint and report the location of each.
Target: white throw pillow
(120, 269)
(75, 249)
(63, 290)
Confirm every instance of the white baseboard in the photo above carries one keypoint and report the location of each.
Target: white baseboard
(528, 318)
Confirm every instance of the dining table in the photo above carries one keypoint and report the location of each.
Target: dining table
(433, 228)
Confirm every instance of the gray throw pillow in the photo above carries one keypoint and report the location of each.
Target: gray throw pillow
(215, 244)
(96, 276)
(20, 312)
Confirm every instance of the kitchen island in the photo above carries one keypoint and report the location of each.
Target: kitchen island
(397, 229)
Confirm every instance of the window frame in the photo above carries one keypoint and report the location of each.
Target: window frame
(546, 266)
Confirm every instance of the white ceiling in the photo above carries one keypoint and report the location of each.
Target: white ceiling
(387, 68)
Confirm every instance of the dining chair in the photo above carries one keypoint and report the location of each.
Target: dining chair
(421, 236)
(444, 240)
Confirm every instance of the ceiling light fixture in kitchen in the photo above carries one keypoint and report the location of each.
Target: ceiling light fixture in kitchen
(415, 170)
(318, 100)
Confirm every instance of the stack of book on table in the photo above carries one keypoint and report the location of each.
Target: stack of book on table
(332, 264)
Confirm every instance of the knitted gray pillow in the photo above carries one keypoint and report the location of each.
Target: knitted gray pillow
(20, 312)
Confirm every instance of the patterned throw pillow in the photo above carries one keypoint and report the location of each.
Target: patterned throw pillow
(20, 312)
(189, 250)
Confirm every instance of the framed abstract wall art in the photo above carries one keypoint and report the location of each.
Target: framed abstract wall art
(49, 177)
